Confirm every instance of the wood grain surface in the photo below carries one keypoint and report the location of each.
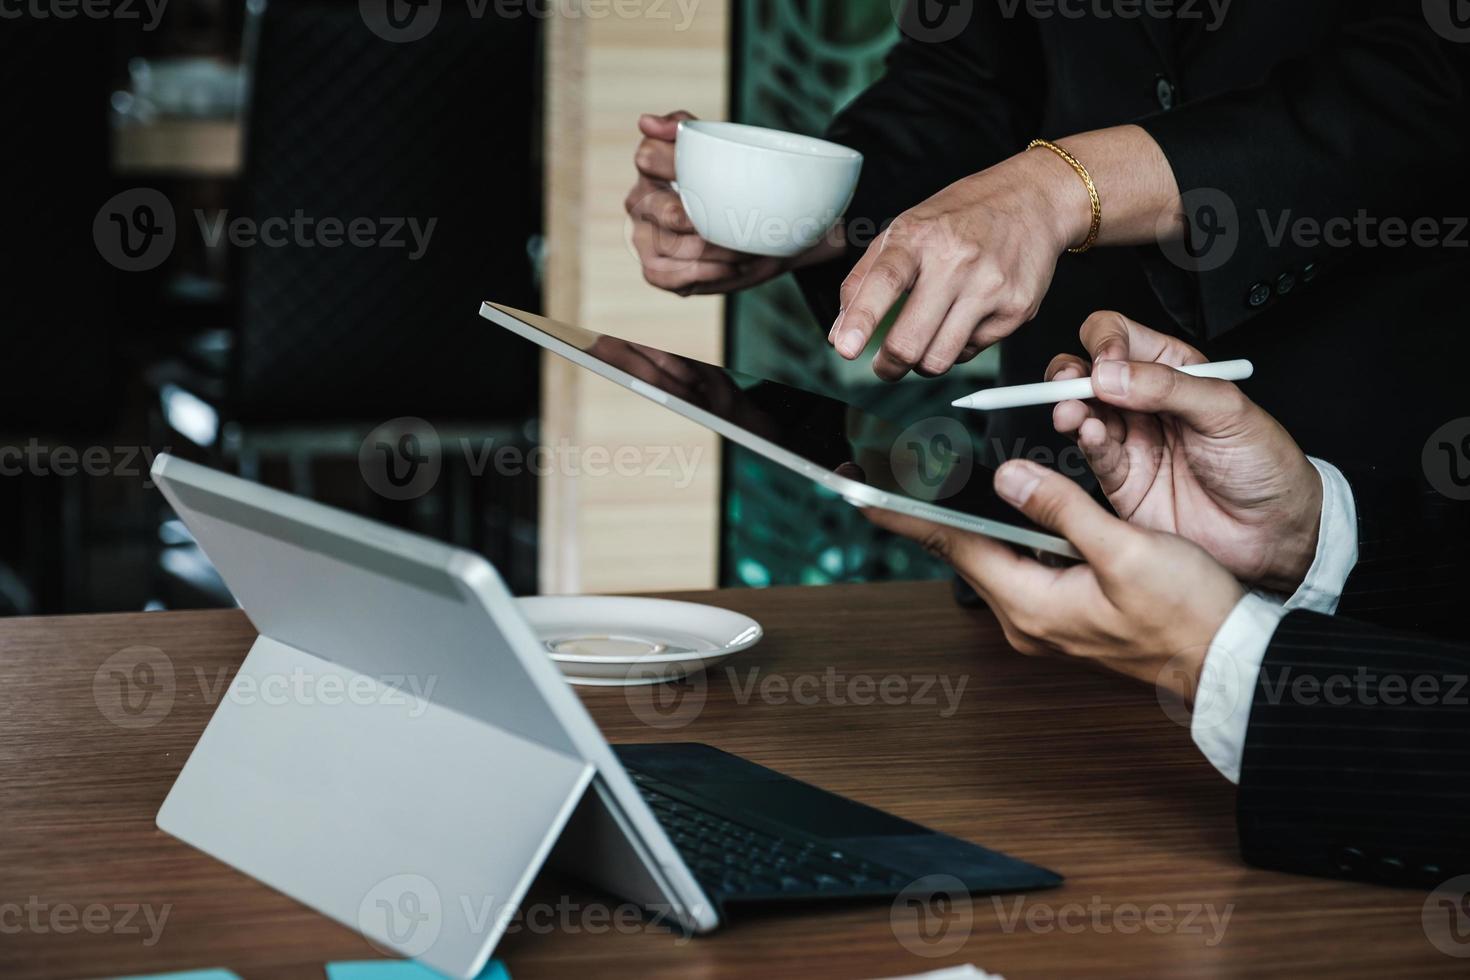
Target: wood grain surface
(1081, 772)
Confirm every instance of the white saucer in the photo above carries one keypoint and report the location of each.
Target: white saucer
(621, 641)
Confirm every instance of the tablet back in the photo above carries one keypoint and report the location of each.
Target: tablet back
(384, 755)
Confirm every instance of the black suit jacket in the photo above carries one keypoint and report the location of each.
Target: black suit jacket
(1306, 111)
(1357, 758)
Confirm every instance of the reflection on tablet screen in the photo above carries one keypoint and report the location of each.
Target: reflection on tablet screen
(932, 461)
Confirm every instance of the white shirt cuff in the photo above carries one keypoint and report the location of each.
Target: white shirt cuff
(1227, 683)
(1337, 545)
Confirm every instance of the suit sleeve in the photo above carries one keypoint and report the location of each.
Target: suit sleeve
(1413, 568)
(1372, 122)
(946, 107)
(1356, 759)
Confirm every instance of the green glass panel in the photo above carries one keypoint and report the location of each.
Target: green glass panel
(797, 63)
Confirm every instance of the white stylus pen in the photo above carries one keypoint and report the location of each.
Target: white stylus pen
(1051, 392)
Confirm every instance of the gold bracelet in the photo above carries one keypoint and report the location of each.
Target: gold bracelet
(1076, 165)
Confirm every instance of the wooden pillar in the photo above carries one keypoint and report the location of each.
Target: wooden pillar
(632, 499)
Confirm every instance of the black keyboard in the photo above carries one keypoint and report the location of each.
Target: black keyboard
(749, 858)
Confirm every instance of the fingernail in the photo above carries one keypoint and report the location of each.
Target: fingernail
(850, 344)
(1067, 374)
(969, 352)
(1112, 377)
(835, 324)
(1015, 483)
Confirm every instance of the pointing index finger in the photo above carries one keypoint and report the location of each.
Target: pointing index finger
(891, 272)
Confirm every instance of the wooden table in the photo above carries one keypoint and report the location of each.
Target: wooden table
(1080, 772)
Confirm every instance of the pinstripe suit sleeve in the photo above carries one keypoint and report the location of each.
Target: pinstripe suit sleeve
(1357, 757)
(1413, 570)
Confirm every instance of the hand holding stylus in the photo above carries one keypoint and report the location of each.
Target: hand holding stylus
(1081, 389)
(1175, 453)
(1192, 456)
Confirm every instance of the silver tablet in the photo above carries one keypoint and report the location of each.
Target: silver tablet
(866, 460)
(397, 751)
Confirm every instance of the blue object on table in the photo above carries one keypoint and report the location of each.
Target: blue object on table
(403, 970)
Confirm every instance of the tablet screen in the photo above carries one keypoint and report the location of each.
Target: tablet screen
(933, 460)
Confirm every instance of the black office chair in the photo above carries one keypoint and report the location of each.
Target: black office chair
(330, 342)
(60, 385)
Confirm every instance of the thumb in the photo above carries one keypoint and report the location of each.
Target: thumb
(1060, 505)
(1106, 336)
(1111, 336)
(1206, 405)
(665, 127)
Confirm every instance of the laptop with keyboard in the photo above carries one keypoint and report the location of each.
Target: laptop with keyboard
(462, 761)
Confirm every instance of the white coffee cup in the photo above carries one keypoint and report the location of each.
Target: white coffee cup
(762, 191)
